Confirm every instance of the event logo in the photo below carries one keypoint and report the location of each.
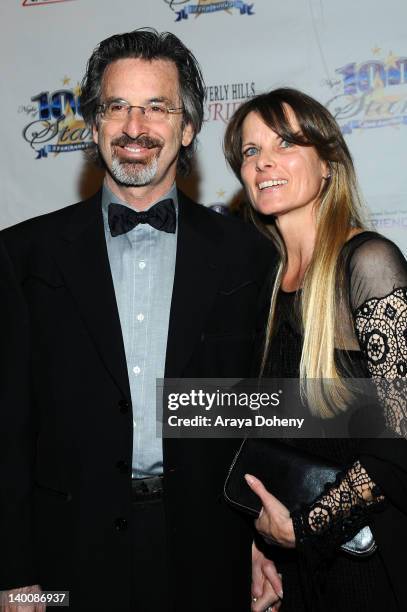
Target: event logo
(222, 100)
(204, 7)
(38, 2)
(371, 94)
(57, 126)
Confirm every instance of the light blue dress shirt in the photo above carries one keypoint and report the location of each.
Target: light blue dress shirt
(142, 262)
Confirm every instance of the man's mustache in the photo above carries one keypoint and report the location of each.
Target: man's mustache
(146, 142)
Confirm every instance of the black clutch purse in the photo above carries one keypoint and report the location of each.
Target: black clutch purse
(294, 476)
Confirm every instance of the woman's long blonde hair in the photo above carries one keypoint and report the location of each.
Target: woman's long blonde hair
(338, 210)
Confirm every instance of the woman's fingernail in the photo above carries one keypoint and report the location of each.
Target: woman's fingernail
(280, 594)
(249, 478)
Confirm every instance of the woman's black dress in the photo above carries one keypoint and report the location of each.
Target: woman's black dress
(317, 575)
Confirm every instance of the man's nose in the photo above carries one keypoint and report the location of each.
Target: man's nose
(135, 122)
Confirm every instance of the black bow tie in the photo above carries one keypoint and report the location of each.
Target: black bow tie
(161, 216)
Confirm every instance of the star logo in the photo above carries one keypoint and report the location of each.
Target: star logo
(66, 80)
(391, 61)
(68, 127)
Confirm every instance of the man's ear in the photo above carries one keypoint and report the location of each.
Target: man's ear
(95, 133)
(187, 135)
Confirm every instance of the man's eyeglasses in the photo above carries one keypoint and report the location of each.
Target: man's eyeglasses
(119, 110)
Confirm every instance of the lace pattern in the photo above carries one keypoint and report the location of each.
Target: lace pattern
(344, 507)
(341, 511)
(381, 327)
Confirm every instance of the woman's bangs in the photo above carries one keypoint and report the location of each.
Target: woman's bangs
(274, 115)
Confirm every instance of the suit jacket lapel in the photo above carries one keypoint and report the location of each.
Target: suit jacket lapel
(197, 275)
(84, 262)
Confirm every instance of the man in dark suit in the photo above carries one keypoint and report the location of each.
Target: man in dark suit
(113, 293)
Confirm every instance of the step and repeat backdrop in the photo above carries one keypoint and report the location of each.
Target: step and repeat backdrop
(351, 56)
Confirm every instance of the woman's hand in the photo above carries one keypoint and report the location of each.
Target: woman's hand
(267, 588)
(274, 522)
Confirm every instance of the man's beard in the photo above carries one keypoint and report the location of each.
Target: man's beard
(135, 173)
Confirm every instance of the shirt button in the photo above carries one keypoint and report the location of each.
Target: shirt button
(140, 317)
(142, 265)
(120, 524)
(137, 370)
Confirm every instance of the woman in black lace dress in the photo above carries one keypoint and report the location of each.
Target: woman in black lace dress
(338, 308)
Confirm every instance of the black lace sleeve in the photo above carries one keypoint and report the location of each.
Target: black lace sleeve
(341, 511)
(378, 300)
(379, 307)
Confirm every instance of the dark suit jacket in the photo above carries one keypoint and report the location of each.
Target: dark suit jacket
(63, 486)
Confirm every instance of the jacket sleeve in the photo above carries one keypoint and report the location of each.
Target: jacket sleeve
(17, 435)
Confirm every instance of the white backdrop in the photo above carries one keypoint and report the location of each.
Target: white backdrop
(352, 56)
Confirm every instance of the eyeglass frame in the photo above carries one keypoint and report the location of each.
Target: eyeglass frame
(101, 108)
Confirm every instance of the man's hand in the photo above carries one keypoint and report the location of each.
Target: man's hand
(267, 587)
(7, 604)
(274, 522)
